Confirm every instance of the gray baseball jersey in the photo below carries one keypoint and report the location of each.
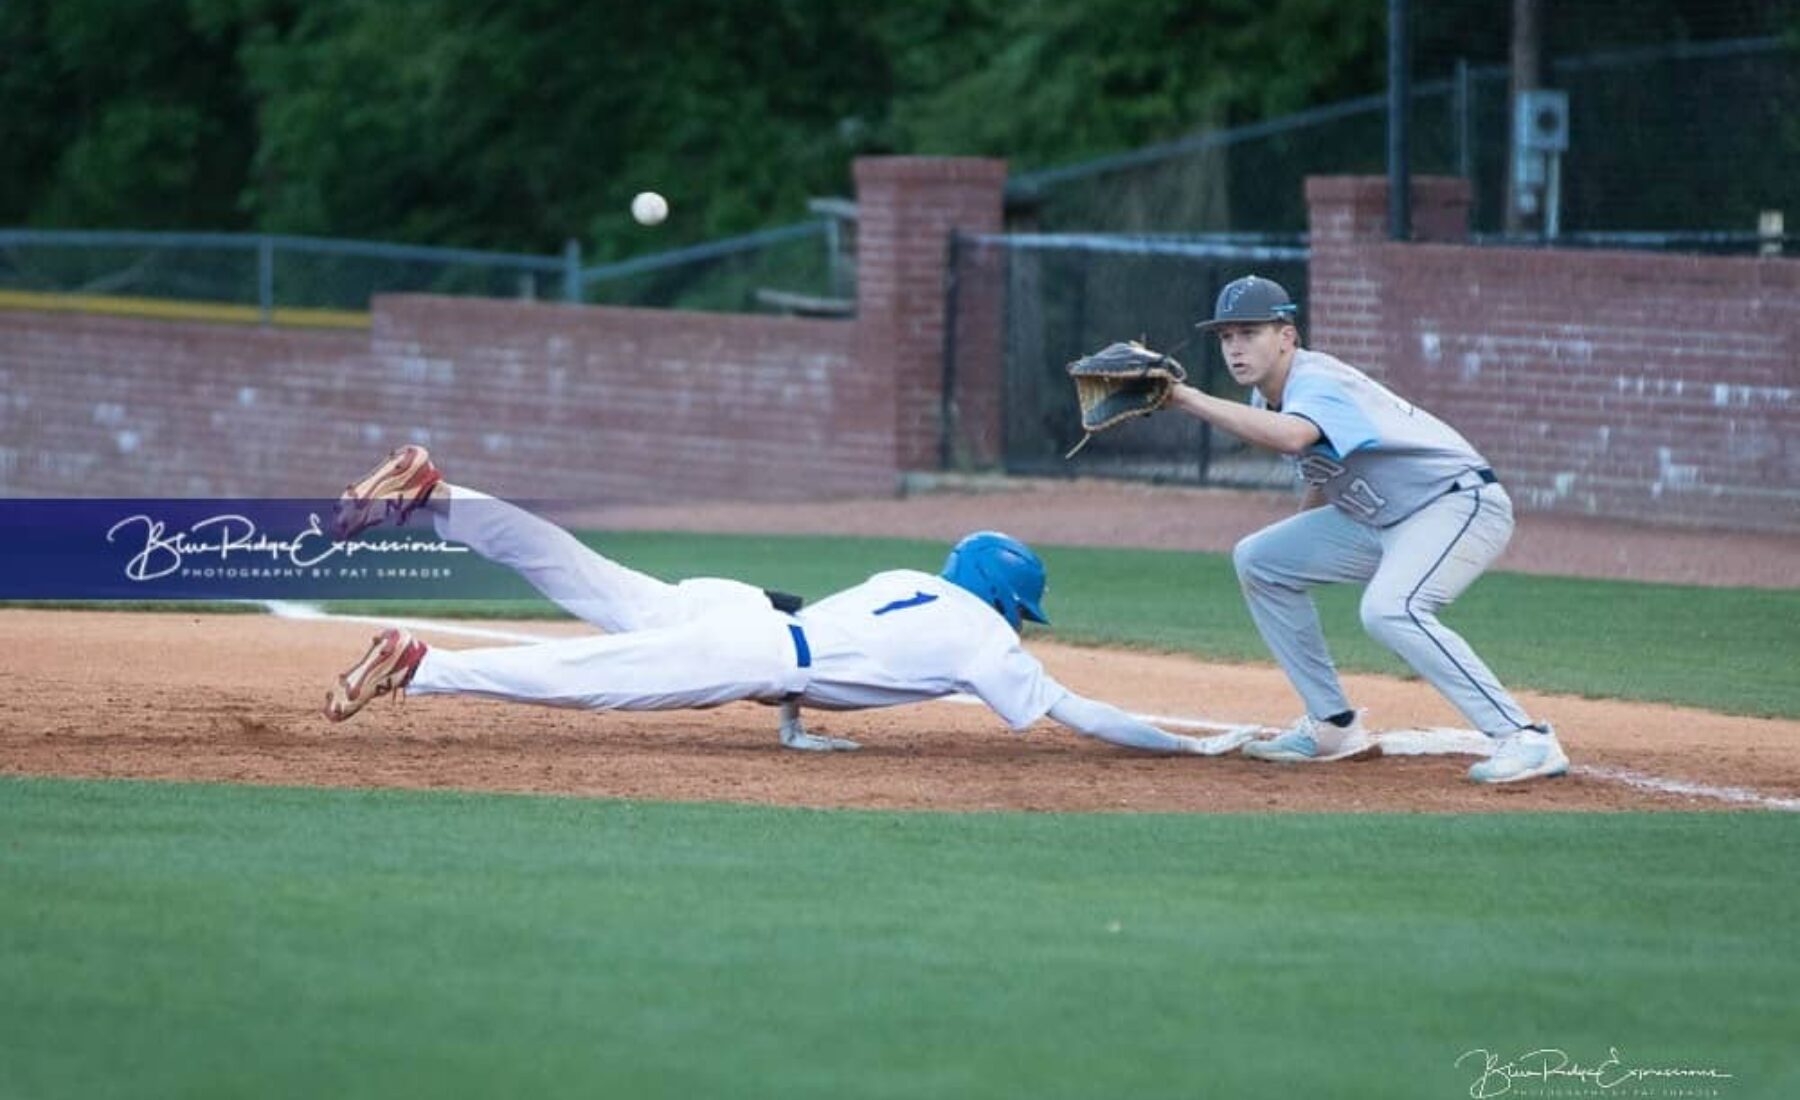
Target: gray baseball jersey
(1382, 458)
(1389, 468)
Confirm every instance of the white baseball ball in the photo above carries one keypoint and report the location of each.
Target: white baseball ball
(649, 208)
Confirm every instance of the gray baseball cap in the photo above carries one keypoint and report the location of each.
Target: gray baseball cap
(1251, 300)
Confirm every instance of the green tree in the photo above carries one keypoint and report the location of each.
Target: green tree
(517, 124)
(1065, 80)
(120, 113)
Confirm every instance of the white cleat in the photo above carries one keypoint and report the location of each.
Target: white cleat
(1311, 741)
(1530, 753)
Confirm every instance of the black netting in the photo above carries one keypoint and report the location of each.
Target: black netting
(1674, 139)
(165, 270)
(802, 272)
(1048, 303)
(334, 280)
(245, 270)
(801, 269)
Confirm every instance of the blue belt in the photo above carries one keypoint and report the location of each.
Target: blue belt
(801, 649)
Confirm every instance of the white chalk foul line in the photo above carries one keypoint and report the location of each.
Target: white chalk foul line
(1743, 796)
(1435, 741)
(283, 609)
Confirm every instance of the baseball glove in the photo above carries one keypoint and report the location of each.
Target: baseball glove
(1120, 381)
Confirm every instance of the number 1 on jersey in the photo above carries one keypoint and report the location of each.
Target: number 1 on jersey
(917, 599)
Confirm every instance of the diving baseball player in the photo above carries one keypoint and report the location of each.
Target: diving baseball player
(899, 637)
(1413, 510)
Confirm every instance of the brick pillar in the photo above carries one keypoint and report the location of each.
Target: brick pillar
(1347, 216)
(907, 208)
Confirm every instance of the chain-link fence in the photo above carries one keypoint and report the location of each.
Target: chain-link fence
(803, 268)
(790, 269)
(1674, 146)
(264, 271)
(1023, 306)
(1684, 147)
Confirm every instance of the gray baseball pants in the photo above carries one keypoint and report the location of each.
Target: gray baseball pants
(1413, 569)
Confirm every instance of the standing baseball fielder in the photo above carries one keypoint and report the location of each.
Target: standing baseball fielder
(1414, 511)
(899, 637)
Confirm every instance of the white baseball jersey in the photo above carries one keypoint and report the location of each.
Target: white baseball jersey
(1382, 458)
(905, 636)
(899, 637)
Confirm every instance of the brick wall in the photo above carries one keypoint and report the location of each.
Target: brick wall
(114, 406)
(1637, 386)
(577, 403)
(625, 405)
(907, 208)
(529, 400)
(1657, 388)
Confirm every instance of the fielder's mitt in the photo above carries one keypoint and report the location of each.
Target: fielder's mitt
(1120, 381)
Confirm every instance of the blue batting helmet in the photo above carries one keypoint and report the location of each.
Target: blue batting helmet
(1002, 572)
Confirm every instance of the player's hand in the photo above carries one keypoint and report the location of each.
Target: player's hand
(1221, 743)
(794, 735)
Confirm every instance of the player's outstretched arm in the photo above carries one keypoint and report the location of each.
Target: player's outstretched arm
(1092, 718)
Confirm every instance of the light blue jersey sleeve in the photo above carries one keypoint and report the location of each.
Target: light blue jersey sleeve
(1382, 457)
(1316, 396)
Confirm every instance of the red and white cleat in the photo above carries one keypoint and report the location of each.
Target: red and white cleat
(387, 667)
(397, 485)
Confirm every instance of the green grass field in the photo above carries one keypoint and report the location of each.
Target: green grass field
(174, 940)
(169, 940)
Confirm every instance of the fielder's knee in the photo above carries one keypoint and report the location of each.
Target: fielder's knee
(1247, 557)
(1386, 619)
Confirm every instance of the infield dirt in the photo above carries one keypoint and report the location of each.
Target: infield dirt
(235, 698)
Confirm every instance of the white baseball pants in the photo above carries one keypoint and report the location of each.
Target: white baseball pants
(668, 646)
(1413, 569)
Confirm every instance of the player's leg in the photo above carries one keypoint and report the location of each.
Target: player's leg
(587, 584)
(1277, 567)
(1432, 557)
(701, 663)
(581, 580)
